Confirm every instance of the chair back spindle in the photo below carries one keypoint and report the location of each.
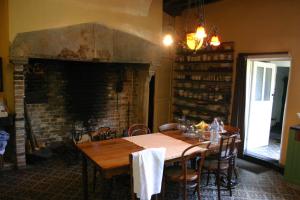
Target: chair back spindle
(138, 129)
(168, 127)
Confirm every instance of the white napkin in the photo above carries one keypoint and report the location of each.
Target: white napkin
(148, 166)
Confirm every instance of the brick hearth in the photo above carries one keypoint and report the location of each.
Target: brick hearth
(60, 93)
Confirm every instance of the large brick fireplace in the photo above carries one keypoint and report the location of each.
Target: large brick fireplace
(87, 74)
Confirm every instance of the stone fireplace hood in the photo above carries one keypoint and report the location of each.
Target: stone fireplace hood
(83, 42)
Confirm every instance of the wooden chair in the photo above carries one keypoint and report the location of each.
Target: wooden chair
(231, 131)
(138, 129)
(103, 133)
(187, 176)
(1, 161)
(224, 164)
(168, 127)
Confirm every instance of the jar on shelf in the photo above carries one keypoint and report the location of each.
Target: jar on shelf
(229, 56)
(227, 78)
(209, 57)
(199, 96)
(215, 57)
(188, 58)
(220, 97)
(198, 58)
(181, 92)
(195, 85)
(185, 94)
(221, 56)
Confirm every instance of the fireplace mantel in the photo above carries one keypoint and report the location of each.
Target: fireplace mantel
(84, 42)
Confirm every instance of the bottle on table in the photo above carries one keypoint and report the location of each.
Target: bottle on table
(214, 131)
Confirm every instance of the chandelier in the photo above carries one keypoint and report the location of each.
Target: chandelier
(199, 38)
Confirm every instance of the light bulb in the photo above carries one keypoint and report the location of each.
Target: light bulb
(200, 33)
(168, 40)
(215, 41)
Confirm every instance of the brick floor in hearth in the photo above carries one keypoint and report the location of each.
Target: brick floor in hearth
(54, 179)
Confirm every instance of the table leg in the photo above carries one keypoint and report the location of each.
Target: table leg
(84, 178)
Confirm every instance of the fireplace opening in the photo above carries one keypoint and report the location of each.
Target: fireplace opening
(61, 94)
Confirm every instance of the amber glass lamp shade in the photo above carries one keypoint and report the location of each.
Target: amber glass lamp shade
(193, 42)
(215, 41)
(200, 33)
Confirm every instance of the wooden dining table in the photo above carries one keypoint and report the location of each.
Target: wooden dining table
(111, 157)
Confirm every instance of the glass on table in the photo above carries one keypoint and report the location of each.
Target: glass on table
(182, 124)
(221, 125)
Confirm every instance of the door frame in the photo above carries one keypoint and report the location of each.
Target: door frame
(239, 97)
(151, 103)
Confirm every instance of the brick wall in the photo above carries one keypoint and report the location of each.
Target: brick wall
(61, 94)
(19, 111)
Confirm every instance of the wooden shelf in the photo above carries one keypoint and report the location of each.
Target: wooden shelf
(204, 102)
(215, 81)
(201, 52)
(189, 117)
(199, 118)
(201, 109)
(213, 68)
(207, 61)
(198, 90)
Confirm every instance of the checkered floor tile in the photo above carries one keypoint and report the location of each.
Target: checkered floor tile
(54, 179)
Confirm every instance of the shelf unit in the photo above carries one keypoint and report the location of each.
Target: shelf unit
(202, 83)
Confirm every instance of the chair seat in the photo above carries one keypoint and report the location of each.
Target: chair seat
(174, 173)
(212, 165)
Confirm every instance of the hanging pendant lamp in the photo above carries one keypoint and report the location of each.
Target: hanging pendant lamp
(199, 39)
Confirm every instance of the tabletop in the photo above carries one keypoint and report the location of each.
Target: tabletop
(112, 156)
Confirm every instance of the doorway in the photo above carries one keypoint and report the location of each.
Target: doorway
(266, 86)
(151, 103)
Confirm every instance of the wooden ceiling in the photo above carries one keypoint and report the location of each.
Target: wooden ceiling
(175, 7)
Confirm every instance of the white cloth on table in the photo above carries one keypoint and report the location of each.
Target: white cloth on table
(148, 166)
(174, 147)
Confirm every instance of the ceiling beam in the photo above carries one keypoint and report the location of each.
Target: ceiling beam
(175, 7)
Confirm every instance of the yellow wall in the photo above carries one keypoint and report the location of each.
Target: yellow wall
(130, 16)
(263, 26)
(163, 87)
(4, 49)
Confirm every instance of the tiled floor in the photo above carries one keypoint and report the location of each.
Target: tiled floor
(271, 151)
(53, 179)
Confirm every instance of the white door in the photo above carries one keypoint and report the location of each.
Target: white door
(261, 101)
